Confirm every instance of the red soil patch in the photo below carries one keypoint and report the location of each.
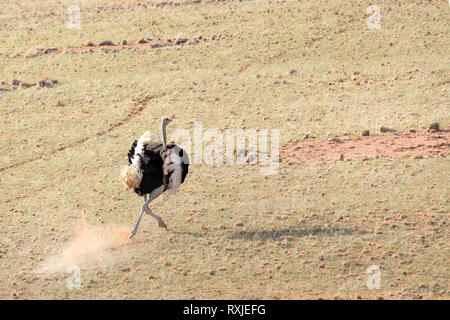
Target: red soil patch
(399, 145)
(117, 47)
(108, 46)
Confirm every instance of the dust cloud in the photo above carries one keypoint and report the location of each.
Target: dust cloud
(91, 246)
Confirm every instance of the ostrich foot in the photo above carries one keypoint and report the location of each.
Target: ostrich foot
(132, 233)
(161, 224)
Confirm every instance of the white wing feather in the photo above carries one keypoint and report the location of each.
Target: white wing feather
(150, 139)
(175, 170)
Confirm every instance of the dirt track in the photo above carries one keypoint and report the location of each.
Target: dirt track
(389, 145)
(136, 111)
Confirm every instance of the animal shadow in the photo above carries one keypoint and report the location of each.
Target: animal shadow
(280, 234)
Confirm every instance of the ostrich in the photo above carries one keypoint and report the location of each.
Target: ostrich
(154, 167)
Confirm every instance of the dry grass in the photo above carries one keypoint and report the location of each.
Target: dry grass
(310, 231)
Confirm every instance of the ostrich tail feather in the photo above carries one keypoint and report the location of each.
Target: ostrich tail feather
(131, 176)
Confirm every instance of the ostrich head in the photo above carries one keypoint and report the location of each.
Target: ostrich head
(165, 121)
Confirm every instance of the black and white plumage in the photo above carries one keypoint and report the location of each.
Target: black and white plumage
(154, 167)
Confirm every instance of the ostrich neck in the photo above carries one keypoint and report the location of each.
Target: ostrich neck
(164, 135)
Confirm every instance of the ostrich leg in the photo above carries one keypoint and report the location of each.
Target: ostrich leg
(135, 227)
(155, 193)
(158, 218)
